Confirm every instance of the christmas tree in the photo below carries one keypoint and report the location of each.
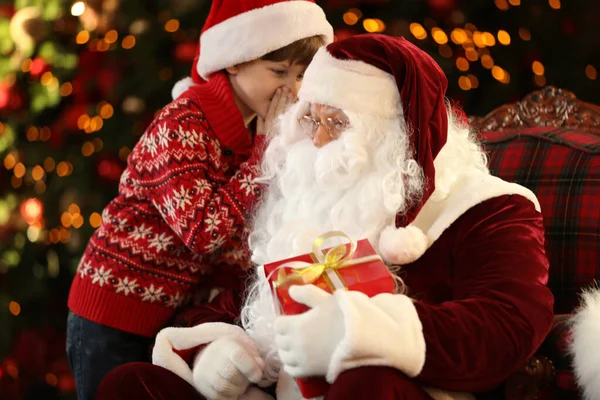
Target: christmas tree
(81, 80)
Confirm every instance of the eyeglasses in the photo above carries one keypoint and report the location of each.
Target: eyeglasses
(334, 127)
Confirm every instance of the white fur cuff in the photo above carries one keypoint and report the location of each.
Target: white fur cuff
(584, 345)
(384, 330)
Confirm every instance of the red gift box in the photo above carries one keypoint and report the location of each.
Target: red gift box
(345, 267)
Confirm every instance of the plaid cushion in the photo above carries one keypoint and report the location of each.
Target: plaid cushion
(562, 167)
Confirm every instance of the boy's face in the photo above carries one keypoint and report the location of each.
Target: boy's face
(255, 82)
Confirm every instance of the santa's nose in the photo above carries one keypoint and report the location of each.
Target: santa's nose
(321, 137)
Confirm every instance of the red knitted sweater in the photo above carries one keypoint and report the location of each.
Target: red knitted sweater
(178, 221)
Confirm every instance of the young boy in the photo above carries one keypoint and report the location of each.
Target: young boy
(176, 228)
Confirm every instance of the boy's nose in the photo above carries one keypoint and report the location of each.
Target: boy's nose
(294, 86)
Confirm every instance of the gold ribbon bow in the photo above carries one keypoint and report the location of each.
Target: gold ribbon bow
(334, 258)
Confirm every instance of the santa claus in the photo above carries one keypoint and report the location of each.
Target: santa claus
(372, 149)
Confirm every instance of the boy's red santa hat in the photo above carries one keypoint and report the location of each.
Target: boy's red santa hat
(237, 31)
(391, 78)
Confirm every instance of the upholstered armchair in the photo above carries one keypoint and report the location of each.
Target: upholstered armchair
(550, 143)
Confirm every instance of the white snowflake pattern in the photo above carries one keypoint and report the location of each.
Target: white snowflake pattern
(150, 145)
(247, 182)
(168, 205)
(126, 286)
(161, 242)
(163, 135)
(213, 221)
(151, 294)
(216, 243)
(182, 198)
(187, 138)
(202, 185)
(121, 225)
(124, 176)
(101, 277)
(83, 268)
(174, 301)
(140, 232)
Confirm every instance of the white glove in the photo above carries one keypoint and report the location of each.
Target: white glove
(225, 368)
(307, 341)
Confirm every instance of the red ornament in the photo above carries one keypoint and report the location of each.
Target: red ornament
(38, 67)
(110, 169)
(441, 6)
(186, 51)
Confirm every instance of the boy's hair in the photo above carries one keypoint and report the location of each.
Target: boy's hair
(299, 52)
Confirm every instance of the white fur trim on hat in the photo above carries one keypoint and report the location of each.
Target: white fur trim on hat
(350, 85)
(585, 344)
(181, 86)
(402, 246)
(252, 34)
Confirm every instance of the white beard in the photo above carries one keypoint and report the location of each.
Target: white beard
(356, 185)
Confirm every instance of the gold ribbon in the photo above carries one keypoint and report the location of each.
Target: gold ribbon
(335, 258)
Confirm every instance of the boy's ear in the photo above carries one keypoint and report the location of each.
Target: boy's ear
(233, 70)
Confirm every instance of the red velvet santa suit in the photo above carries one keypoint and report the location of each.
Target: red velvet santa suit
(477, 305)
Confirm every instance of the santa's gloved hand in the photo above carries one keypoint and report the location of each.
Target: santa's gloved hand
(307, 341)
(225, 368)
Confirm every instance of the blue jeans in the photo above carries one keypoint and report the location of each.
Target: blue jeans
(94, 350)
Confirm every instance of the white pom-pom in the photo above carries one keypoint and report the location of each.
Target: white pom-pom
(181, 86)
(402, 245)
(584, 344)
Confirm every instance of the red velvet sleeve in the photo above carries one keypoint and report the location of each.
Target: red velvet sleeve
(501, 308)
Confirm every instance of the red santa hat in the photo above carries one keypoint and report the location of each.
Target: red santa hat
(238, 31)
(388, 77)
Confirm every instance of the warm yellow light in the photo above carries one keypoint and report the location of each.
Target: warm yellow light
(474, 81)
(62, 169)
(487, 61)
(418, 31)
(19, 170)
(538, 68)
(87, 149)
(590, 72)
(74, 209)
(82, 37)
(32, 133)
(10, 161)
(83, 121)
(14, 308)
(471, 54)
(95, 220)
(111, 36)
(500, 74)
(458, 36)
(66, 219)
(501, 4)
(524, 34)
(128, 42)
(515, 2)
(77, 221)
(49, 164)
(488, 39)
(172, 25)
(66, 89)
(462, 64)
(540, 80)
(37, 172)
(370, 25)
(503, 37)
(46, 78)
(352, 16)
(78, 9)
(464, 83)
(439, 36)
(555, 4)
